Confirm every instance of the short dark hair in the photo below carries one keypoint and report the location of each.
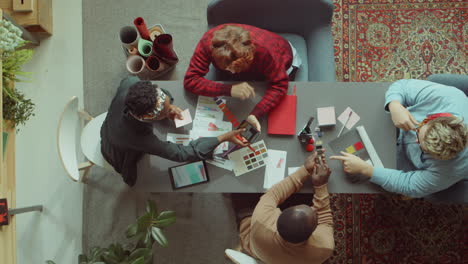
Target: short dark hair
(141, 97)
(295, 226)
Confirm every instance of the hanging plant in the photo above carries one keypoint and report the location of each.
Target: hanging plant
(16, 107)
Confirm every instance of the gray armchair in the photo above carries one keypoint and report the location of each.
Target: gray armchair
(305, 23)
(457, 193)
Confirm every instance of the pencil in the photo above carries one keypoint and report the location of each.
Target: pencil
(349, 116)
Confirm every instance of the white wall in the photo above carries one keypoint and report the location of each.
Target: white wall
(56, 233)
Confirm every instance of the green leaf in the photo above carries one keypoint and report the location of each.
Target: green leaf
(141, 252)
(49, 262)
(151, 207)
(140, 260)
(95, 253)
(148, 242)
(164, 219)
(159, 236)
(132, 230)
(144, 222)
(119, 251)
(109, 257)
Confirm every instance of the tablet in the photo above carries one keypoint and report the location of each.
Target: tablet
(188, 174)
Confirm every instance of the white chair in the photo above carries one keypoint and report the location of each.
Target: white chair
(240, 258)
(69, 128)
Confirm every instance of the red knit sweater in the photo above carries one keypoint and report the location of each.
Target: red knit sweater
(273, 56)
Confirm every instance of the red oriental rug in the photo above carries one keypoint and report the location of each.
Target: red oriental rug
(384, 229)
(387, 40)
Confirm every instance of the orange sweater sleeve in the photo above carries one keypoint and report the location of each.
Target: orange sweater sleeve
(322, 204)
(278, 193)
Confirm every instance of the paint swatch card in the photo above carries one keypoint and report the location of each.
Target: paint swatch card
(179, 138)
(245, 160)
(223, 107)
(207, 108)
(353, 119)
(276, 165)
(182, 122)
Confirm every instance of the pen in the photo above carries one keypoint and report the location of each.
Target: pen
(242, 139)
(349, 116)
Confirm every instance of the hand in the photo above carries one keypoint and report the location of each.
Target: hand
(309, 163)
(243, 91)
(401, 117)
(352, 164)
(234, 137)
(321, 173)
(254, 122)
(175, 111)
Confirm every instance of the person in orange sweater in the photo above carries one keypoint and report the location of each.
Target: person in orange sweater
(299, 234)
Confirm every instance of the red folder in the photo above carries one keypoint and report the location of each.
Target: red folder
(282, 119)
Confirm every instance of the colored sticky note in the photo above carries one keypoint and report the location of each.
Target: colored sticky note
(358, 146)
(350, 149)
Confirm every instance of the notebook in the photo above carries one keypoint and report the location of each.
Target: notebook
(282, 119)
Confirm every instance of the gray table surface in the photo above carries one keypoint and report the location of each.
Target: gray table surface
(366, 99)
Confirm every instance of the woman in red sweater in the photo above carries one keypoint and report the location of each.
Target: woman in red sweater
(246, 53)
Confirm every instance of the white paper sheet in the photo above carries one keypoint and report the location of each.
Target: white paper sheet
(222, 163)
(275, 168)
(182, 122)
(352, 120)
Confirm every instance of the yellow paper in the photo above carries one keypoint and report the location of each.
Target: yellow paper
(350, 149)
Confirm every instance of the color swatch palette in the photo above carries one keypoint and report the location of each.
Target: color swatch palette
(351, 143)
(245, 160)
(229, 115)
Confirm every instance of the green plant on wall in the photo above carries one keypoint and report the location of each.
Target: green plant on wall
(16, 107)
(147, 229)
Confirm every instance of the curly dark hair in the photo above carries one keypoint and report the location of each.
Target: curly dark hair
(141, 97)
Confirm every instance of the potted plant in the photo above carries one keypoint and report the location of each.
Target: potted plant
(147, 229)
(17, 109)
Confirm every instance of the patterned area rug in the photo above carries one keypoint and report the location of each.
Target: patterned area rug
(384, 229)
(387, 40)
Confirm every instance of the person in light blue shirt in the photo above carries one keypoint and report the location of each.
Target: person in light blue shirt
(432, 143)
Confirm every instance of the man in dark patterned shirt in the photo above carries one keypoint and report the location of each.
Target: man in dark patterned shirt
(247, 53)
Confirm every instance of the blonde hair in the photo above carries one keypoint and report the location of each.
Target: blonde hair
(232, 46)
(445, 137)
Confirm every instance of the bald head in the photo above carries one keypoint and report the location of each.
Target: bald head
(297, 223)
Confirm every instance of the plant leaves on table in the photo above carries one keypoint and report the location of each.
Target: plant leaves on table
(159, 236)
(165, 218)
(132, 230)
(95, 254)
(110, 258)
(144, 222)
(141, 252)
(151, 207)
(148, 242)
(140, 260)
